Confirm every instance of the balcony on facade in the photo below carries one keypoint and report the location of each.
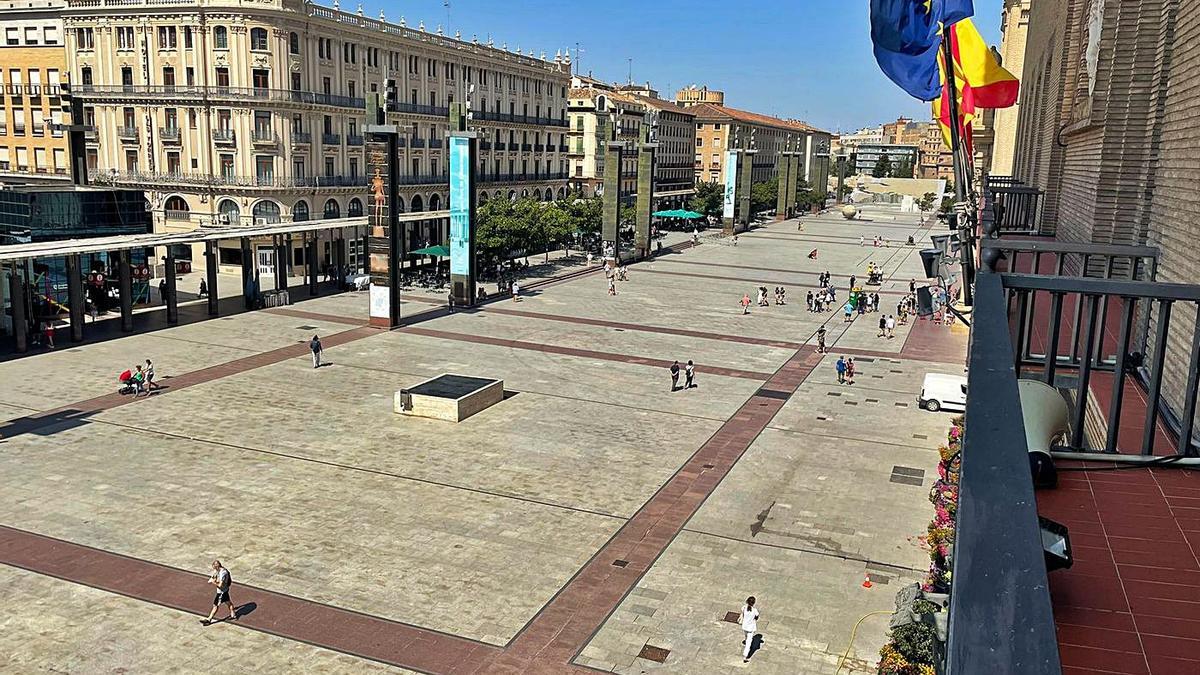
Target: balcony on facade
(224, 136)
(169, 135)
(301, 138)
(264, 137)
(418, 109)
(204, 180)
(416, 143)
(485, 116)
(435, 143)
(331, 139)
(354, 140)
(93, 92)
(127, 133)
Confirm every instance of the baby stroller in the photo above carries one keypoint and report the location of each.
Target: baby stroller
(127, 384)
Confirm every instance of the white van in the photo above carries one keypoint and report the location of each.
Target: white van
(943, 392)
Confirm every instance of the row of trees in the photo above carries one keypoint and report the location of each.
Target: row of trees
(506, 229)
(764, 196)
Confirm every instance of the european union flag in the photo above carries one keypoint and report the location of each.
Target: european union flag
(906, 40)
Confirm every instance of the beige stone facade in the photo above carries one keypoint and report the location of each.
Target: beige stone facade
(721, 128)
(225, 111)
(598, 115)
(32, 66)
(937, 162)
(1107, 128)
(673, 128)
(693, 95)
(1002, 123)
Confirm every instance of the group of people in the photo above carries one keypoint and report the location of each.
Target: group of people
(141, 379)
(614, 274)
(780, 298)
(845, 370)
(887, 326)
(877, 242)
(689, 375)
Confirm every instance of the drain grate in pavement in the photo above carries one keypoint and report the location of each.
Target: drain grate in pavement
(833, 393)
(620, 563)
(652, 653)
(906, 475)
(732, 617)
(823, 419)
(306, 327)
(710, 466)
(773, 393)
(921, 437)
(878, 377)
(864, 359)
(850, 402)
(898, 371)
(901, 405)
(872, 400)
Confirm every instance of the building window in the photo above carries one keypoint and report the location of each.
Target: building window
(31, 35)
(221, 37)
(295, 81)
(92, 156)
(329, 167)
(125, 37)
(332, 210)
(298, 167)
(261, 79)
(187, 37)
(264, 168)
(131, 161)
(12, 36)
(51, 35)
(173, 163)
(226, 162)
(127, 78)
(355, 208)
(85, 38)
(266, 211)
(258, 39)
(300, 211)
(293, 43)
(166, 37)
(354, 168)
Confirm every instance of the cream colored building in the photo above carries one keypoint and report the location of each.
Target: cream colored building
(229, 111)
(32, 65)
(693, 95)
(721, 128)
(599, 114)
(673, 128)
(1003, 122)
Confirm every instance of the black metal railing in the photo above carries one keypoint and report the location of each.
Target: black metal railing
(264, 136)
(1014, 206)
(416, 143)
(301, 137)
(998, 565)
(169, 134)
(107, 176)
(219, 92)
(331, 139)
(418, 109)
(354, 140)
(424, 179)
(223, 136)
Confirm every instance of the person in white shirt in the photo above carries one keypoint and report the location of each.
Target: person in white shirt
(516, 292)
(220, 578)
(749, 622)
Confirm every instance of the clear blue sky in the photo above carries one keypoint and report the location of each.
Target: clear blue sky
(809, 59)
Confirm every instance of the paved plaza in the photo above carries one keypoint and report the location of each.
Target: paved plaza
(589, 516)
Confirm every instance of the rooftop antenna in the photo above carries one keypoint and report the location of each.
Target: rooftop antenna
(630, 60)
(579, 51)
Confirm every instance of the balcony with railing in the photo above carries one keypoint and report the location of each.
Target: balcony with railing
(354, 140)
(1015, 206)
(1118, 353)
(223, 136)
(264, 137)
(153, 178)
(418, 143)
(417, 109)
(169, 135)
(331, 139)
(127, 133)
(435, 143)
(178, 91)
(301, 138)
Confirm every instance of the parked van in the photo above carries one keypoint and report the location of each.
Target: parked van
(943, 392)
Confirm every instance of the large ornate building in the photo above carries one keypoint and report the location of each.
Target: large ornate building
(32, 64)
(231, 112)
(721, 128)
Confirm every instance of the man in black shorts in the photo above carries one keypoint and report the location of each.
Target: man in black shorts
(222, 580)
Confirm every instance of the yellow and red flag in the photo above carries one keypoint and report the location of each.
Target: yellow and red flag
(980, 81)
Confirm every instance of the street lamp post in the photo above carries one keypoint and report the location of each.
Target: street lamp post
(841, 169)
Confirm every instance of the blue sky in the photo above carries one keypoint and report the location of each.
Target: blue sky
(809, 59)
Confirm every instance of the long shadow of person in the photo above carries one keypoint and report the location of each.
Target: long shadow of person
(755, 644)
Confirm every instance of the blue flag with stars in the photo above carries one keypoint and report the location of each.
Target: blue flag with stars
(905, 35)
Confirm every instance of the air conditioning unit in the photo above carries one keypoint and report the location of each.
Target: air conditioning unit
(223, 219)
(260, 222)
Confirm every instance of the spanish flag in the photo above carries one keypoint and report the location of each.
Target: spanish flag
(979, 79)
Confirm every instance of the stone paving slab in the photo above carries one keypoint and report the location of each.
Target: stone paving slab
(68, 628)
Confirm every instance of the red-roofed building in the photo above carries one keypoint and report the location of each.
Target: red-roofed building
(721, 128)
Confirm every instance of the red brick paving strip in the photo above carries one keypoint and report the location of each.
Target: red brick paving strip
(767, 282)
(283, 615)
(315, 316)
(567, 623)
(583, 353)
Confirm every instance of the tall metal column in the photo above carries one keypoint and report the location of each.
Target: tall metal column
(385, 244)
(210, 269)
(75, 297)
(610, 224)
(17, 291)
(795, 175)
(125, 286)
(645, 198)
(729, 204)
(172, 299)
(282, 251)
(463, 146)
(249, 272)
(746, 180)
(782, 203)
(310, 262)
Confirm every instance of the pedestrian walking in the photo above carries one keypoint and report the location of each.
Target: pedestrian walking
(853, 281)
(150, 383)
(882, 327)
(689, 375)
(204, 288)
(516, 291)
(139, 382)
(840, 366)
(849, 309)
(875, 301)
(745, 303)
(912, 286)
(450, 301)
(810, 301)
(589, 259)
(735, 240)
(222, 579)
(162, 291)
(315, 345)
(612, 285)
(821, 340)
(749, 623)
(849, 371)
(891, 326)
(675, 376)
(762, 296)
(782, 295)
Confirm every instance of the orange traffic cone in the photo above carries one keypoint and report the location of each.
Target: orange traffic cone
(867, 581)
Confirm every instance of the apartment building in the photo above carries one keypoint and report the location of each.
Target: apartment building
(600, 114)
(721, 128)
(693, 95)
(32, 64)
(233, 112)
(673, 127)
(937, 162)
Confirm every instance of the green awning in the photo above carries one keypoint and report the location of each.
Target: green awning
(690, 215)
(435, 251)
(666, 214)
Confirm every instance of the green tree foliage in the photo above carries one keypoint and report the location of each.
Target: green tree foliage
(709, 199)
(507, 228)
(883, 167)
(903, 168)
(764, 196)
(925, 203)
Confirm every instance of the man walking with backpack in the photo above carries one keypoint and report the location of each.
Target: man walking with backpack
(222, 580)
(315, 346)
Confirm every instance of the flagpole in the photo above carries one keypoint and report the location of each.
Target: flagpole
(962, 207)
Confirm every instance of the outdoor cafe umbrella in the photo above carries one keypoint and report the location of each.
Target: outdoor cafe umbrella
(674, 213)
(434, 251)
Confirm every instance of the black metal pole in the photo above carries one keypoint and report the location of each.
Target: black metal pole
(961, 174)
